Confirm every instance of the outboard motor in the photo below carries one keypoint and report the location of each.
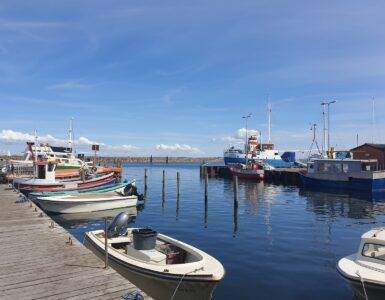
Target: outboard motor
(118, 225)
(130, 190)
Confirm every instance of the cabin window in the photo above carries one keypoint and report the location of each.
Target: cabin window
(41, 171)
(321, 167)
(338, 168)
(345, 168)
(50, 167)
(376, 251)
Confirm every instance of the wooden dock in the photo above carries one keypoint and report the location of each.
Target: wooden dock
(284, 176)
(37, 261)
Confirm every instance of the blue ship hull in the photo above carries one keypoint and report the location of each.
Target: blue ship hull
(354, 184)
(234, 160)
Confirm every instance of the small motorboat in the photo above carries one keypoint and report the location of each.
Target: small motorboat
(114, 187)
(251, 171)
(365, 270)
(161, 266)
(86, 202)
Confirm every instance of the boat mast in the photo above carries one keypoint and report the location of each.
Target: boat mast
(71, 143)
(269, 120)
(35, 155)
(326, 137)
(246, 141)
(373, 126)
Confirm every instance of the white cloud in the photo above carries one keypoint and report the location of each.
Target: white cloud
(237, 137)
(9, 136)
(183, 148)
(85, 141)
(68, 85)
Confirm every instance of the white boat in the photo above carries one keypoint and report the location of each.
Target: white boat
(170, 269)
(85, 202)
(365, 270)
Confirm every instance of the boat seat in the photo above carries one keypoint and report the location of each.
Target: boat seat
(150, 256)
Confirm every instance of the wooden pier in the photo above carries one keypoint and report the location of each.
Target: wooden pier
(284, 176)
(41, 260)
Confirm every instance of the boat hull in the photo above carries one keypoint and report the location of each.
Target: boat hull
(63, 186)
(158, 286)
(74, 206)
(256, 175)
(353, 184)
(374, 291)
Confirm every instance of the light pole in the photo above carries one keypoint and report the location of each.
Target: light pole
(246, 141)
(327, 104)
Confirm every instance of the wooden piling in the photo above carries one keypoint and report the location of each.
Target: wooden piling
(163, 184)
(235, 191)
(105, 244)
(177, 185)
(145, 180)
(206, 186)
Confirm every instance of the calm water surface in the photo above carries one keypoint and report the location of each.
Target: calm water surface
(283, 244)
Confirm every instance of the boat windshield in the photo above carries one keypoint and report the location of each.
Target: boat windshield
(376, 251)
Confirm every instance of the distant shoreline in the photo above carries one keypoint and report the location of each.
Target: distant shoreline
(118, 160)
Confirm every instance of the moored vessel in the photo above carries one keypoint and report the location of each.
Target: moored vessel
(251, 171)
(365, 270)
(161, 266)
(344, 174)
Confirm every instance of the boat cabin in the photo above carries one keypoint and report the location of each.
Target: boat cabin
(45, 169)
(372, 246)
(335, 166)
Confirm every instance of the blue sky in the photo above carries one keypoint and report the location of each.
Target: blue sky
(175, 77)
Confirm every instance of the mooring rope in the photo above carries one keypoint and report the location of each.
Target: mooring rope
(180, 281)
(363, 284)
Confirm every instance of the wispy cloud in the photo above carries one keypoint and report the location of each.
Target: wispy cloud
(69, 85)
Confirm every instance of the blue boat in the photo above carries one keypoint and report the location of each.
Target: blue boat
(344, 174)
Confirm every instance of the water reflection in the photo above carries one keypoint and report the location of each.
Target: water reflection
(341, 205)
(277, 234)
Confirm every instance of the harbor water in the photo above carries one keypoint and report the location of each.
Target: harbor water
(281, 243)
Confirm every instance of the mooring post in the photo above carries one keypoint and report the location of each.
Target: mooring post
(145, 180)
(105, 244)
(177, 185)
(235, 191)
(164, 184)
(206, 186)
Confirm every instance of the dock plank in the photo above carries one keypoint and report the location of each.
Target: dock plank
(37, 262)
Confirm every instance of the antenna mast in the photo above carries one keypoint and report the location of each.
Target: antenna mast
(373, 124)
(35, 155)
(269, 120)
(71, 143)
(314, 141)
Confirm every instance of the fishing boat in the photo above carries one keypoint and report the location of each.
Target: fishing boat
(86, 202)
(251, 171)
(365, 270)
(45, 181)
(114, 187)
(344, 174)
(256, 151)
(161, 266)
